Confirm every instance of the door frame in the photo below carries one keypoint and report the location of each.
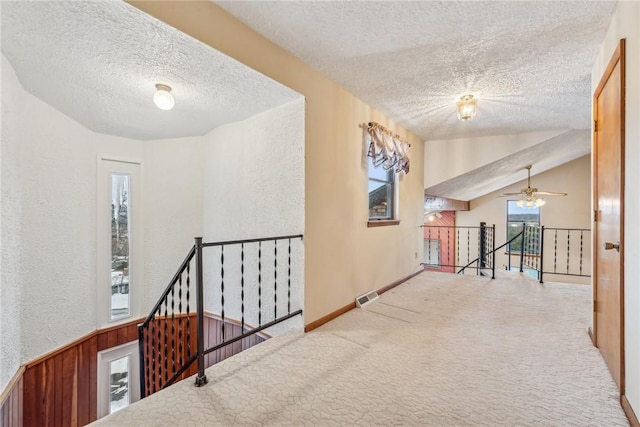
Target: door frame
(618, 57)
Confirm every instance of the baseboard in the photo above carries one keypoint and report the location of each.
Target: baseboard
(628, 411)
(342, 310)
(329, 317)
(399, 282)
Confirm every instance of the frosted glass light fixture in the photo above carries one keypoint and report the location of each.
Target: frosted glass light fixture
(466, 107)
(163, 98)
(530, 203)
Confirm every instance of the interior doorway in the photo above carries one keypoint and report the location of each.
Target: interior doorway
(608, 227)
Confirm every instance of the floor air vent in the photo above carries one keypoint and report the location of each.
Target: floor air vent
(365, 299)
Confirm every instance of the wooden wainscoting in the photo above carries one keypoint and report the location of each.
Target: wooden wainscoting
(11, 401)
(60, 388)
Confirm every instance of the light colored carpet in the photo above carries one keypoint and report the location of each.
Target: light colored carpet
(439, 350)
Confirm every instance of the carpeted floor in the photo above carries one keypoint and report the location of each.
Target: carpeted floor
(439, 350)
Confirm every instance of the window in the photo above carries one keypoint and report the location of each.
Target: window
(120, 220)
(119, 241)
(381, 192)
(118, 378)
(516, 216)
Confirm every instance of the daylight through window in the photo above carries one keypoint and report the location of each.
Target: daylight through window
(516, 217)
(119, 395)
(120, 245)
(381, 188)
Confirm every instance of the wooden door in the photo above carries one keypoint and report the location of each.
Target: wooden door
(608, 179)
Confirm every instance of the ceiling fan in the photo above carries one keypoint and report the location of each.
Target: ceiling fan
(530, 196)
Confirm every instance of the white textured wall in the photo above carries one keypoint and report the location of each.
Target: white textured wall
(10, 224)
(254, 187)
(447, 158)
(626, 24)
(48, 293)
(571, 211)
(173, 188)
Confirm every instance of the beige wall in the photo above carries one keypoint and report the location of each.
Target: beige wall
(343, 257)
(626, 24)
(571, 211)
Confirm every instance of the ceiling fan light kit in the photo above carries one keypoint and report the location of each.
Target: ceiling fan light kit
(529, 197)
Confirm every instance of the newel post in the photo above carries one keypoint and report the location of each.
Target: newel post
(201, 378)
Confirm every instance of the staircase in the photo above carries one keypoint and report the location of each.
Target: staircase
(210, 312)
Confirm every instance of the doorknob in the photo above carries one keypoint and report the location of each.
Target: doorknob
(608, 246)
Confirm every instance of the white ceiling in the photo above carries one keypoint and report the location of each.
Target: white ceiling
(529, 62)
(98, 62)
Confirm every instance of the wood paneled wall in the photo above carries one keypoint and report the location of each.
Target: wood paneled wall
(60, 388)
(11, 402)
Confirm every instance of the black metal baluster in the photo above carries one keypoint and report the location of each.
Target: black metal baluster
(537, 259)
(568, 248)
(180, 326)
(289, 280)
(153, 355)
(173, 330)
(159, 344)
(439, 260)
(259, 284)
(188, 313)
(448, 244)
(458, 248)
(275, 279)
(429, 245)
(166, 344)
(222, 288)
(581, 245)
(147, 361)
(555, 250)
(468, 245)
(242, 286)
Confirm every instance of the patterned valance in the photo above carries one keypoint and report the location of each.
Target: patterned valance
(387, 149)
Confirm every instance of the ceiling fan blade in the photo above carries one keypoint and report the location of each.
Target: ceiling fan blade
(511, 194)
(549, 193)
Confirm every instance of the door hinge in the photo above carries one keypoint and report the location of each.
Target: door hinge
(595, 126)
(595, 215)
(595, 306)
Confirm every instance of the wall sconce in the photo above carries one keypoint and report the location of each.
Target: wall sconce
(466, 107)
(163, 98)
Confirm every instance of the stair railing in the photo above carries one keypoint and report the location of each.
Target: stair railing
(460, 247)
(172, 337)
(492, 253)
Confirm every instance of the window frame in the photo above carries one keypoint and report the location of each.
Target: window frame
(107, 166)
(105, 357)
(392, 206)
(509, 250)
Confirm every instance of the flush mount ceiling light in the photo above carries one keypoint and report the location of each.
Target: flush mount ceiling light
(163, 98)
(466, 107)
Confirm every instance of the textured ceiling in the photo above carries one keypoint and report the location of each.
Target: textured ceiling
(528, 62)
(98, 62)
(510, 169)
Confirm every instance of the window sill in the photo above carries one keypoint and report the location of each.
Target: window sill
(382, 222)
